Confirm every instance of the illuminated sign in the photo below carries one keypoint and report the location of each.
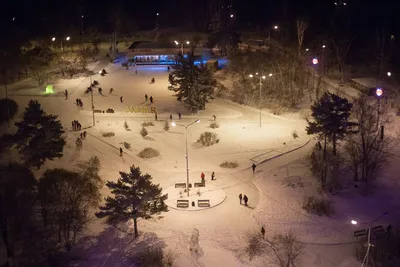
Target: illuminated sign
(140, 109)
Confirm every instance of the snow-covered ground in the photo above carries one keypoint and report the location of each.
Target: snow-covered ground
(272, 202)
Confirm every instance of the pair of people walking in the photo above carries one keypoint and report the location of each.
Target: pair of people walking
(203, 177)
(76, 126)
(146, 97)
(244, 198)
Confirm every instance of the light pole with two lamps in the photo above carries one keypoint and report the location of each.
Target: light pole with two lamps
(354, 222)
(262, 77)
(177, 43)
(62, 47)
(187, 152)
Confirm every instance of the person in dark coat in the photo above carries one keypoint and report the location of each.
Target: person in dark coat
(111, 91)
(151, 99)
(66, 94)
(121, 99)
(170, 117)
(120, 151)
(245, 199)
(254, 167)
(84, 134)
(155, 116)
(263, 231)
(240, 198)
(179, 115)
(146, 97)
(212, 176)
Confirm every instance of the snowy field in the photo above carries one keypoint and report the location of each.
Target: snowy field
(275, 191)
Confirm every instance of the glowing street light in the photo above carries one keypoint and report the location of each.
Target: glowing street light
(231, 16)
(275, 27)
(262, 77)
(315, 61)
(187, 152)
(177, 43)
(67, 38)
(354, 222)
(307, 49)
(389, 74)
(158, 14)
(323, 46)
(53, 39)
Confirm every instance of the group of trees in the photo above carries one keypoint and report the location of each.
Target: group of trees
(193, 84)
(360, 126)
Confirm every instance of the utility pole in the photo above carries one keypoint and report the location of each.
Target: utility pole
(91, 96)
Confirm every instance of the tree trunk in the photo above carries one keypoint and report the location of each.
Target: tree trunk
(323, 177)
(334, 144)
(135, 227)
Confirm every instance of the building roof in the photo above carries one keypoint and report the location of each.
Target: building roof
(152, 45)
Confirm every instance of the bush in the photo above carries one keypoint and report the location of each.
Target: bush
(144, 132)
(318, 206)
(229, 165)
(127, 145)
(126, 126)
(166, 126)
(214, 125)
(8, 108)
(148, 153)
(154, 257)
(208, 139)
(295, 135)
(148, 123)
(108, 134)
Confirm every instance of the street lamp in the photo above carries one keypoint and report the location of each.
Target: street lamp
(231, 15)
(275, 27)
(354, 222)
(323, 46)
(187, 152)
(315, 63)
(307, 49)
(177, 43)
(389, 74)
(262, 77)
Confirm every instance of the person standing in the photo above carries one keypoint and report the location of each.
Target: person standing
(254, 167)
(121, 99)
(245, 199)
(111, 91)
(66, 94)
(240, 198)
(84, 134)
(120, 151)
(263, 232)
(214, 117)
(212, 176)
(202, 176)
(170, 117)
(155, 116)
(179, 115)
(151, 99)
(146, 97)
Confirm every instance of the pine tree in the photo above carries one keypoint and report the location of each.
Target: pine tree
(134, 196)
(194, 85)
(166, 126)
(39, 136)
(143, 132)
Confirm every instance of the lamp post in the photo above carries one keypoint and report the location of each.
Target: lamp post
(379, 93)
(82, 30)
(187, 152)
(366, 258)
(315, 63)
(262, 77)
(61, 45)
(177, 43)
(275, 27)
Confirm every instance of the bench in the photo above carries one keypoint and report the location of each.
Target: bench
(182, 203)
(180, 185)
(203, 203)
(97, 111)
(199, 184)
(110, 110)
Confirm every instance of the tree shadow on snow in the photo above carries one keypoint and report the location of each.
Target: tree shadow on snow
(149, 138)
(113, 247)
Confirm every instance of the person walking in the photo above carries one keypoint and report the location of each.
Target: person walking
(155, 116)
(202, 176)
(66, 94)
(214, 117)
(254, 167)
(111, 91)
(263, 232)
(245, 199)
(151, 99)
(170, 117)
(146, 97)
(121, 99)
(84, 134)
(240, 198)
(168, 68)
(120, 151)
(179, 115)
(212, 176)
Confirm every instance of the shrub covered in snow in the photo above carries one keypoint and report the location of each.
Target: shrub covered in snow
(154, 256)
(229, 165)
(319, 206)
(208, 139)
(214, 125)
(295, 135)
(143, 132)
(147, 123)
(108, 134)
(127, 145)
(148, 153)
(126, 126)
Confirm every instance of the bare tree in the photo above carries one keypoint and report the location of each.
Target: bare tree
(301, 27)
(341, 48)
(285, 249)
(368, 151)
(383, 51)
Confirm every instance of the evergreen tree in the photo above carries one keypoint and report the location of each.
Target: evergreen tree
(331, 119)
(143, 132)
(135, 196)
(39, 136)
(194, 85)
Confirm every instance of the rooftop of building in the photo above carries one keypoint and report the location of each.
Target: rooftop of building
(152, 45)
